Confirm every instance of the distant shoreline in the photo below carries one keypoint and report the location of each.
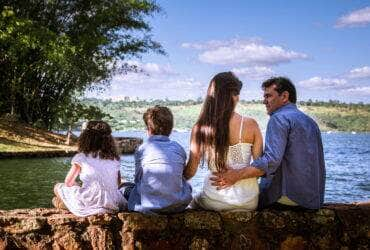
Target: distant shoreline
(330, 116)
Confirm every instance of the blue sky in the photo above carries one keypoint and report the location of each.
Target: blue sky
(322, 46)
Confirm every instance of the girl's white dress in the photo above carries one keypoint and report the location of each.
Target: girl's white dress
(99, 191)
(243, 195)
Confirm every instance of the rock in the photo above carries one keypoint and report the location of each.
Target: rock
(127, 145)
(340, 226)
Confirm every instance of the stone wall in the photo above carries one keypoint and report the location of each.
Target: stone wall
(337, 226)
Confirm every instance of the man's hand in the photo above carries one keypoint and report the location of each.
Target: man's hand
(225, 179)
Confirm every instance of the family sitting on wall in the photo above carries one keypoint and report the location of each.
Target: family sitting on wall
(291, 167)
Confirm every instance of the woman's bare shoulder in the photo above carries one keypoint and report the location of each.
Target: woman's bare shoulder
(250, 122)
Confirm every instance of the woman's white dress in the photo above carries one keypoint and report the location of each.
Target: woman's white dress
(243, 195)
(99, 191)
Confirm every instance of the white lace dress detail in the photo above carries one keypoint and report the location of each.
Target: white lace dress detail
(243, 195)
(99, 191)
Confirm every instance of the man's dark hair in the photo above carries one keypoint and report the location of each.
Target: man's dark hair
(159, 120)
(282, 84)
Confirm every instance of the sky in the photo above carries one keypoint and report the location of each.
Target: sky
(322, 46)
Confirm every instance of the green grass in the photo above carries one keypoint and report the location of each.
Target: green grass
(337, 118)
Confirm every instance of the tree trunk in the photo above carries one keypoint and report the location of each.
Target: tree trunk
(69, 133)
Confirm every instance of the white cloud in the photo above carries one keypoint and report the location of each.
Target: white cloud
(237, 51)
(319, 83)
(362, 91)
(152, 68)
(359, 17)
(363, 72)
(255, 73)
(155, 81)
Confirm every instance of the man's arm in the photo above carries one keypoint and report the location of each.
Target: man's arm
(231, 176)
(275, 144)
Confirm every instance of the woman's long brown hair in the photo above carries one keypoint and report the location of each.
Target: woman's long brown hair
(97, 140)
(212, 127)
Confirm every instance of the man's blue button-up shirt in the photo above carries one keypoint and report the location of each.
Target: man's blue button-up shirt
(293, 159)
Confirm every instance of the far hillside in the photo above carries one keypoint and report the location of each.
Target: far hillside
(332, 115)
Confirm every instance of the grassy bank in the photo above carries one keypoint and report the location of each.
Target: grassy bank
(18, 137)
(330, 115)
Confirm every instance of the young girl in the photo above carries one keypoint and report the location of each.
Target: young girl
(97, 164)
(227, 141)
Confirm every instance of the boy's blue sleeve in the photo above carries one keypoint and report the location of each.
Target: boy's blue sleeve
(138, 166)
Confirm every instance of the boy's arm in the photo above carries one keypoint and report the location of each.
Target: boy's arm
(138, 167)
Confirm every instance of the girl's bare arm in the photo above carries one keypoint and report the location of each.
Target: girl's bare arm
(70, 179)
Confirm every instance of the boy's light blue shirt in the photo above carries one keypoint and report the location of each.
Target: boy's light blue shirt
(159, 183)
(293, 159)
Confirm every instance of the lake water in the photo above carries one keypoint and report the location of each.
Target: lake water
(28, 183)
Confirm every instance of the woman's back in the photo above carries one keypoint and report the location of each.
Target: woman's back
(243, 195)
(240, 141)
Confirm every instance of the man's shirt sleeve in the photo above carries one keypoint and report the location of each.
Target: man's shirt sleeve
(275, 144)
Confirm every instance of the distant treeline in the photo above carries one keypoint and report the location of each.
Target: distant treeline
(167, 102)
(330, 115)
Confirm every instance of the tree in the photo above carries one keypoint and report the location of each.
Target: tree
(79, 112)
(51, 51)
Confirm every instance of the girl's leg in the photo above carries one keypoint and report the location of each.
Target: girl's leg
(57, 201)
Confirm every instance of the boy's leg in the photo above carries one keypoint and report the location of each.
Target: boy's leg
(126, 188)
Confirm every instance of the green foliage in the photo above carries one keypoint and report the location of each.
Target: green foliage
(79, 112)
(50, 51)
(332, 115)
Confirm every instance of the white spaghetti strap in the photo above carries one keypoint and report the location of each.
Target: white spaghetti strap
(241, 129)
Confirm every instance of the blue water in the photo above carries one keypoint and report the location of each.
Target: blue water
(347, 160)
(27, 183)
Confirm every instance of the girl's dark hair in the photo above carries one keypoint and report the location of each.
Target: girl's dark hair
(212, 127)
(97, 140)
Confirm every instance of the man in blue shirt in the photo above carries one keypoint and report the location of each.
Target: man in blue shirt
(292, 166)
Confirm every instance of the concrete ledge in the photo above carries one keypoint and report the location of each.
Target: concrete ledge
(337, 226)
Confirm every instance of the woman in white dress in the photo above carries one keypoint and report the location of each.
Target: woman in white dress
(97, 164)
(225, 140)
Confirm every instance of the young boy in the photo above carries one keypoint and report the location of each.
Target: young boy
(159, 163)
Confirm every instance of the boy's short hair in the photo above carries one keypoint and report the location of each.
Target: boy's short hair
(159, 120)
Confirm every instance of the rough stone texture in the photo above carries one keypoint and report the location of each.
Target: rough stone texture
(336, 226)
(127, 145)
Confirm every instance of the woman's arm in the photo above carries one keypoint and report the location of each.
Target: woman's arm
(70, 179)
(257, 141)
(194, 156)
